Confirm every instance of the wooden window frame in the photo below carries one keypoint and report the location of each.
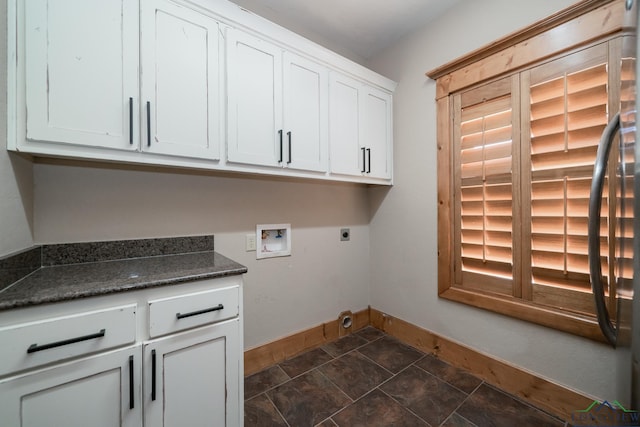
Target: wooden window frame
(571, 29)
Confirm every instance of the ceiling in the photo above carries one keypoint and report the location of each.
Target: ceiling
(360, 27)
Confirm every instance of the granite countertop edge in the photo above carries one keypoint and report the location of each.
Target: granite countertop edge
(70, 282)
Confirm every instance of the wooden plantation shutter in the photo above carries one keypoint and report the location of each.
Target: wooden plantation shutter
(484, 187)
(568, 101)
(523, 155)
(519, 122)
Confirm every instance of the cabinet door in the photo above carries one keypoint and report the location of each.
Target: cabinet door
(254, 110)
(193, 378)
(81, 64)
(344, 125)
(180, 84)
(305, 113)
(375, 132)
(99, 391)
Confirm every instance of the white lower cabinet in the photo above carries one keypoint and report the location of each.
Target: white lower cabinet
(190, 378)
(177, 359)
(99, 391)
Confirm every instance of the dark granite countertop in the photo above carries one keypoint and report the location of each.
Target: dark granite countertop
(55, 282)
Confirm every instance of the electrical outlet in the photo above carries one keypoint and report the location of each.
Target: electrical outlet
(250, 242)
(345, 234)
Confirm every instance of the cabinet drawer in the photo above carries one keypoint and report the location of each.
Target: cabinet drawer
(169, 315)
(50, 340)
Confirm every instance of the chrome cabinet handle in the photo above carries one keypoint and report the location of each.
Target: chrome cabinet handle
(595, 202)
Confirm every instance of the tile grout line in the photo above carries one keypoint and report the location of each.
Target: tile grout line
(455, 411)
(525, 403)
(447, 382)
(272, 387)
(351, 401)
(394, 375)
(277, 410)
(396, 400)
(405, 407)
(290, 378)
(354, 401)
(329, 354)
(414, 364)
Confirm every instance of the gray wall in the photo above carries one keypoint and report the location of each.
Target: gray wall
(404, 226)
(77, 201)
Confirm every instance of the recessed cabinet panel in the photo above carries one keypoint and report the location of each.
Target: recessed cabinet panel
(202, 364)
(81, 65)
(195, 378)
(376, 132)
(254, 74)
(38, 409)
(305, 121)
(344, 125)
(98, 391)
(179, 81)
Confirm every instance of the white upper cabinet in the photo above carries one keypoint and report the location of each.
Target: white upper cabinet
(190, 83)
(254, 88)
(305, 113)
(344, 128)
(81, 71)
(179, 83)
(84, 86)
(277, 111)
(376, 132)
(360, 131)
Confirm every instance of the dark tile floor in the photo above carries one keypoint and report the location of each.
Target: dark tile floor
(370, 379)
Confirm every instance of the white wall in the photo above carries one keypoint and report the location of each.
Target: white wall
(404, 223)
(77, 201)
(16, 183)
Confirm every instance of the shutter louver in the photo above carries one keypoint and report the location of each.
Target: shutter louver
(568, 115)
(485, 195)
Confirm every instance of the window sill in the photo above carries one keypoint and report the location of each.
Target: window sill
(576, 324)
